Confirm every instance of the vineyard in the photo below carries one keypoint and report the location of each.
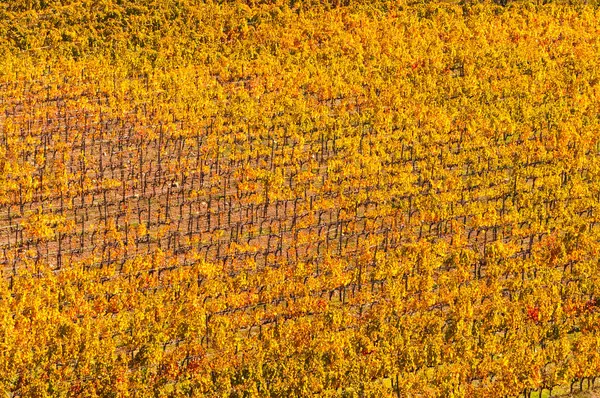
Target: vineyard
(294, 198)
